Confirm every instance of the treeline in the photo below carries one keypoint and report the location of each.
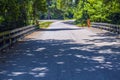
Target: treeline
(81, 10)
(98, 11)
(18, 13)
(58, 9)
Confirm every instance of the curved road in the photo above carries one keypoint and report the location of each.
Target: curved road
(63, 52)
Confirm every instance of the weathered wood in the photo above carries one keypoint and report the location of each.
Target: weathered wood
(109, 27)
(6, 39)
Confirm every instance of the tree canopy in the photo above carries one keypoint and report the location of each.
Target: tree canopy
(96, 10)
(17, 13)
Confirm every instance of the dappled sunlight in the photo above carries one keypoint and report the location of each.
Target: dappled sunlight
(40, 49)
(3, 72)
(59, 55)
(30, 54)
(100, 59)
(81, 56)
(109, 51)
(40, 75)
(83, 44)
(43, 69)
(48, 59)
(60, 62)
(16, 73)
(88, 47)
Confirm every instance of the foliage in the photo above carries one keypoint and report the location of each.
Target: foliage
(98, 11)
(81, 10)
(58, 9)
(17, 13)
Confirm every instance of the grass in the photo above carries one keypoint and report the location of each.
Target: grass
(44, 24)
(82, 25)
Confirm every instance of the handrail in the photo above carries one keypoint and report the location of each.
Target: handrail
(7, 39)
(105, 26)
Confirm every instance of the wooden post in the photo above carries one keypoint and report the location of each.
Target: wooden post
(88, 22)
(37, 22)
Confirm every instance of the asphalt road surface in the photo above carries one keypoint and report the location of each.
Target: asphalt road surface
(63, 52)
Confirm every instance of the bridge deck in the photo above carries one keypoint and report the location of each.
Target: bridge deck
(63, 52)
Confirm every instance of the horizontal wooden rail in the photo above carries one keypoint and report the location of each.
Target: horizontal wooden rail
(106, 26)
(10, 37)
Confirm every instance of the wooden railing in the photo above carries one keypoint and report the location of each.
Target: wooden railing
(106, 26)
(10, 37)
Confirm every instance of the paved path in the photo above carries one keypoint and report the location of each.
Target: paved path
(63, 52)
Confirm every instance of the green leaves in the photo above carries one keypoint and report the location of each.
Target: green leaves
(98, 11)
(17, 13)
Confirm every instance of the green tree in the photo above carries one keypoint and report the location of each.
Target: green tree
(17, 13)
(98, 11)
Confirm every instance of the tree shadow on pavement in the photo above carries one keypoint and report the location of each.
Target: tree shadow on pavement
(71, 22)
(61, 29)
(60, 60)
